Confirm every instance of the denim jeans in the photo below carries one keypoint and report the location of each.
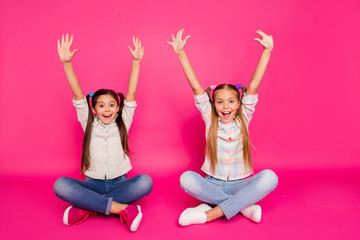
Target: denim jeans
(97, 195)
(230, 196)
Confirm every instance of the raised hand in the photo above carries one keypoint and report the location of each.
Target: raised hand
(138, 52)
(177, 43)
(64, 48)
(267, 40)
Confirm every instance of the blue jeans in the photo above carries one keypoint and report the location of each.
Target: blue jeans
(97, 195)
(230, 196)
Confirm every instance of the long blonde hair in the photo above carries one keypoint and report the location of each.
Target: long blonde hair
(211, 141)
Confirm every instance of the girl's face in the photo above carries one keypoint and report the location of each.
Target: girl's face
(226, 104)
(106, 108)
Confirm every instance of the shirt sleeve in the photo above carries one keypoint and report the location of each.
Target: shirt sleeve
(204, 106)
(128, 113)
(248, 106)
(82, 111)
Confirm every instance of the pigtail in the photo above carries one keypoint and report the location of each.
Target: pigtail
(85, 155)
(244, 131)
(123, 132)
(211, 141)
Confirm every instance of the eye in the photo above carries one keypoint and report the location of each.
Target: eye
(219, 102)
(101, 105)
(232, 101)
(112, 105)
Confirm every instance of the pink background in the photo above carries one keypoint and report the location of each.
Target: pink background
(306, 119)
(308, 106)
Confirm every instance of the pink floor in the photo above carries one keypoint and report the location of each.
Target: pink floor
(322, 204)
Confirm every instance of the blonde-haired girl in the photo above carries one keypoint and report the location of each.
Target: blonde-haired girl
(228, 184)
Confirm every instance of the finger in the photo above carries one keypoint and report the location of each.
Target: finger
(71, 40)
(143, 49)
(137, 42)
(181, 32)
(259, 41)
(261, 33)
(133, 39)
(67, 38)
(171, 43)
(173, 38)
(187, 37)
(58, 44)
(62, 40)
(73, 52)
(131, 51)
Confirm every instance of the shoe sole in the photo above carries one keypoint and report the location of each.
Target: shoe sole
(137, 220)
(66, 216)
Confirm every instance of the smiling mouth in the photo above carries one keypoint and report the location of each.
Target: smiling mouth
(107, 116)
(226, 114)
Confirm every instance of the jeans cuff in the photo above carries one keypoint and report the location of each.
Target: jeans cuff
(224, 211)
(108, 207)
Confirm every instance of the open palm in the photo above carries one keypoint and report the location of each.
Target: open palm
(64, 48)
(267, 40)
(138, 52)
(177, 43)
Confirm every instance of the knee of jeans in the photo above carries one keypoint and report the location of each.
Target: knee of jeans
(270, 179)
(61, 186)
(187, 180)
(146, 183)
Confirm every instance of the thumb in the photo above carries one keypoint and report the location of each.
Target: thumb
(73, 52)
(131, 51)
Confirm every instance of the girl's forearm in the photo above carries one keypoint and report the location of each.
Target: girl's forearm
(133, 81)
(73, 81)
(190, 74)
(259, 72)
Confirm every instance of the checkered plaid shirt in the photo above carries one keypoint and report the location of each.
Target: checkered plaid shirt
(229, 142)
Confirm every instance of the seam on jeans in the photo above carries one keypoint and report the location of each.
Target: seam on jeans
(225, 202)
(213, 185)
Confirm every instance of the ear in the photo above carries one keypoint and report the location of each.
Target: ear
(118, 108)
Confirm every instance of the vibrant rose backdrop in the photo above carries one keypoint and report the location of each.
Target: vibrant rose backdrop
(308, 109)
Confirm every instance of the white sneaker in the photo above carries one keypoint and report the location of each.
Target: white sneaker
(252, 212)
(194, 215)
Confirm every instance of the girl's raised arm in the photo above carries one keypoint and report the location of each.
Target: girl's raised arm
(268, 44)
(178, 46)
(65, 57)
(137, 54)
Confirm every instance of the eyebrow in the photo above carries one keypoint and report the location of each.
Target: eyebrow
(112, 101)
(223, 99)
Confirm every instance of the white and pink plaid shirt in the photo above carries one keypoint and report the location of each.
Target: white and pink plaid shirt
(229, 141)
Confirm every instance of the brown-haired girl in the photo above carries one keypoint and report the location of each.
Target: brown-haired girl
(228, 184)
(105, 154)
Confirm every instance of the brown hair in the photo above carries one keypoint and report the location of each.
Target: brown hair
(211, 141)
(85, 155)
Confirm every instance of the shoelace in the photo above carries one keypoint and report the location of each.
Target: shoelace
(87, 216)
(123, 216)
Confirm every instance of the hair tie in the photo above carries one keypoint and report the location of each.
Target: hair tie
(212, 87)
(91, 94)
(238, 86)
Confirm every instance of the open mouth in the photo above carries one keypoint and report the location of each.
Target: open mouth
(226, 114)
(107, 116)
